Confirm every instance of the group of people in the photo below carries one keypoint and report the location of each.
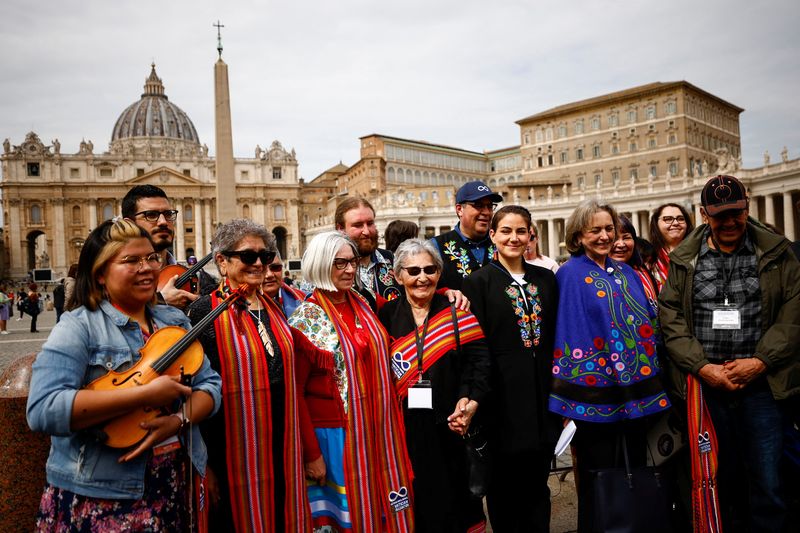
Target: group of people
(348, 408)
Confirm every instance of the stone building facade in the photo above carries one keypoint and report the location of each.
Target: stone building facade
(51, 200)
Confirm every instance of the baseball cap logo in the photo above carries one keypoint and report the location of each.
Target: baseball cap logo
(722, 192)
(483, 188)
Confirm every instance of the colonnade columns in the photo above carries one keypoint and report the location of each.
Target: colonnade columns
(60, 237)
(179, 246)
(206, 220)
(788, 216)
(769, 209)
(753, 206)
(635, 222)
(698, 216)
(92, 215)
(552, 239)
(200, 241)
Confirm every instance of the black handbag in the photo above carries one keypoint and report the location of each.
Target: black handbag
(475, 444)
(631, 499)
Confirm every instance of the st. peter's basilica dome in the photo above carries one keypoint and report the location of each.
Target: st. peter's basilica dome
(154, 116)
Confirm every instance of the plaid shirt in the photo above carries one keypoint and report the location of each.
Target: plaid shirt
(744, 293)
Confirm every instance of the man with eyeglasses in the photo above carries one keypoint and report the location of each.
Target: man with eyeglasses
(288, 298)
(149, 207)
(729, 311)
(467, 246)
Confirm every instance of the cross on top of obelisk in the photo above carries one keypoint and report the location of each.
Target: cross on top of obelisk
(219, 38)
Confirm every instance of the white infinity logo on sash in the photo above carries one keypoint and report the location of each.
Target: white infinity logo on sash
(399, 365)
(394, 496)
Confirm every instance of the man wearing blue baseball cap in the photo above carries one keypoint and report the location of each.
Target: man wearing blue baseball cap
(467, 246)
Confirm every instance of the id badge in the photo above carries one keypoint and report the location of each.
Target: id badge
(726, 317)
(168, 445)
(420, 396)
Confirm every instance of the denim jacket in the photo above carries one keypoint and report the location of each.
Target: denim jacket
(83, 346)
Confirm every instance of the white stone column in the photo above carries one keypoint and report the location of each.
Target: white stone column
(769, 209)
(92, 214)
(788, 216)
(754, 207)
(179, 244)
(552, 239)
(698, 217)
(17, 268)
(201, 248)
(635, 222)
(207, 231)
(60, 237)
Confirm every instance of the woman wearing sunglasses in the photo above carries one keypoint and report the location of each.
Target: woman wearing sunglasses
(91, 486)
(352, 404)
(669, 225)
(441, 367)
(256, 480)
(515, 303)
(288, 298)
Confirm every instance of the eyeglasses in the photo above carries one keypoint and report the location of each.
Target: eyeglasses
(482, 206)
(249, 257)
(341, 263)
(135, 263)
(429, 270)
(668, 220)
(152, 215)
(275, 267)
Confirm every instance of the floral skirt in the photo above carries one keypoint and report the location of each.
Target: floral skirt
(162, 508)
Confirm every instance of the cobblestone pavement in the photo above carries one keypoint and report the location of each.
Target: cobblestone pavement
(21, 342)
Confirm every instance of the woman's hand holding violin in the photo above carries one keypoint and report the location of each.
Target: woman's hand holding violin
(159, 429)
(163, 391)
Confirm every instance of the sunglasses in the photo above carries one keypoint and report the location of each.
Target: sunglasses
(275, 267)
(152, 215)
(249, 257)
(430, 270)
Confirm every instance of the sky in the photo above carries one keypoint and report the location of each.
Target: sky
(318, 74)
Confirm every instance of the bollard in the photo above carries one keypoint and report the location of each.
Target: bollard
(23, 453)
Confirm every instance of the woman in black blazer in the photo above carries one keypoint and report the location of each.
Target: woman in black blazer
(515, 303)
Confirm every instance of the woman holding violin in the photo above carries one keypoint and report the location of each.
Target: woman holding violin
(256, 463)
(91, 485)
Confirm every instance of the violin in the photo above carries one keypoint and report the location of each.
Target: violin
(187, 280)
(171, 351)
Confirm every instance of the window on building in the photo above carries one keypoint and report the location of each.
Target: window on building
(673, 139)
(581, 182)
(108, 211)
(595, 123)
(631, 116)
(671, 108)
(33, 169)
(578, 127)
(245, 175)
(634, 174)
(539, 161)
(670, 123)
(632, 146)
(527, 138)
(615, 148)
(76, 214)
(562, 130)
(651, 142)
(548, 134)
(596, 150)
(598, 180)
(650, 112)
(613, 120)
(539, 136)
(279, 212)
(187, 172)
(36, 214)
(105, 173)
(74, 173)
(276, 173)
(188, 213)
(563, 157)
(139, 172)
(579, 154)
(615, 177)
(673, 168)
(653, 170)
(550, 159)
(246, 211)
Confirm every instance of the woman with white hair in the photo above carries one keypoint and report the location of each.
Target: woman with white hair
(441, 366)
(353, 408)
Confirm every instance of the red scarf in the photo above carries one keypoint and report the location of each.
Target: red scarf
(704, 447)
(248, 421)
(377, 467)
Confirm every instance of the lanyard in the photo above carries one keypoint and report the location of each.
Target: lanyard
(726, 276)
(421, 345)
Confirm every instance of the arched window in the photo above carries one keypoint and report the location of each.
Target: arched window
(245, 211)
(76, 214)
(188, 213)
(279, 213)
(36, 214)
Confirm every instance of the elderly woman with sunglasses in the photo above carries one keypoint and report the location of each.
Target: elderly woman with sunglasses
(351, 400)
(441, 368)
(256, 442)
(669, 225)
(92, 486)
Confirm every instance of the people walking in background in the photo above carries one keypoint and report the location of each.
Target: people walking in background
(59, 298)
(69, 286)
(669, 225)
(5, 305)
(605, 364)
(516, 303)
(33, 305)
(730, 311)
(22, 295)
(398, 231)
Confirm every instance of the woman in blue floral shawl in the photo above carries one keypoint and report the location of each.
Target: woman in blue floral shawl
(605, 367)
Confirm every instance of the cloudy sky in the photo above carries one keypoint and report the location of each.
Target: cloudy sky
(318, 74)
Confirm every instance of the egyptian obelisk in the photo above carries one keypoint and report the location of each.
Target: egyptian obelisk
(226, 182)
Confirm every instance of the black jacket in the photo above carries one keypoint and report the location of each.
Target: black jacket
(516, 414)
(458, 259)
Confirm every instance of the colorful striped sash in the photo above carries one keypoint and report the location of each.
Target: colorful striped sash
(377, 467)
(704, 447)
(661, 268)
(248, 421)
(441, 338)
